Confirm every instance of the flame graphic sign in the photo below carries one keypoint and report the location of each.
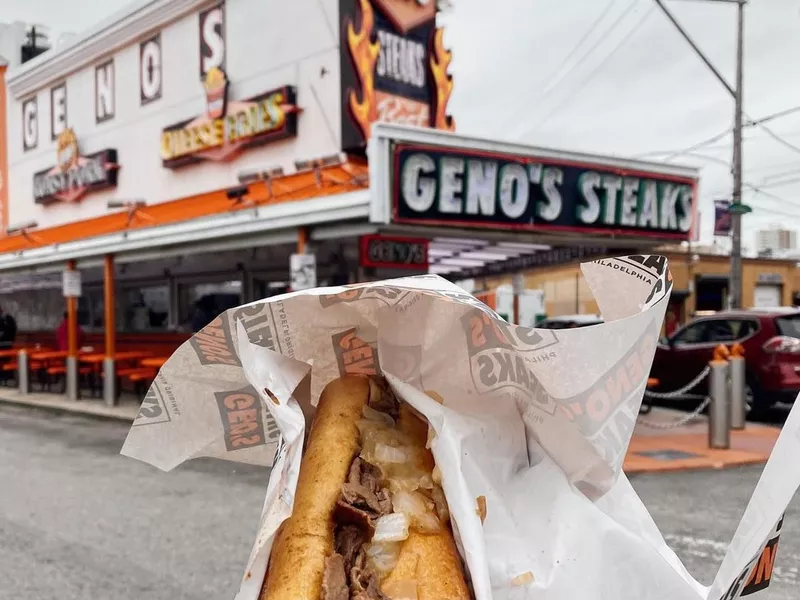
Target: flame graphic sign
(394, 68)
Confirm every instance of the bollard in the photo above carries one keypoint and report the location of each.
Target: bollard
(23, 374)
(109, 382)
(719, 430)
(72, 378)
(738, 399)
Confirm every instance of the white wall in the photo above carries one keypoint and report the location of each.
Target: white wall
(268, 44)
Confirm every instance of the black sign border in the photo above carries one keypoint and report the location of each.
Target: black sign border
(398, 147)
(112, 176)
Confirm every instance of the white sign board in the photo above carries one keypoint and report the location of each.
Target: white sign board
(518, 283)
(71, 284)
(303, 269)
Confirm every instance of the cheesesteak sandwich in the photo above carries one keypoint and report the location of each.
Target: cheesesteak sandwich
(370, 521)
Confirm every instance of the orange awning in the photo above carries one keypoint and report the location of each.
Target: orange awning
(325, 181)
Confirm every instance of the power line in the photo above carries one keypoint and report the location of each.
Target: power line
(750, 123)
(590, 76)
(515, 113)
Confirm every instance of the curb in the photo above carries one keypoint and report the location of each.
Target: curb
(710, 465)
(67, 410)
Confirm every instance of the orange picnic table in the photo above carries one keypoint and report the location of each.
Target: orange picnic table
(98, 358)
(156, 362)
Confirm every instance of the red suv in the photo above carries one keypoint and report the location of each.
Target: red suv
(771, 340)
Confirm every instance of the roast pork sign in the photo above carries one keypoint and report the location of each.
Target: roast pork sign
(75, 174)
(393, 67)
(435, 185)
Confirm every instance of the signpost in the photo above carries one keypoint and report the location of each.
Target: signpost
(303, 269)
(71, 284)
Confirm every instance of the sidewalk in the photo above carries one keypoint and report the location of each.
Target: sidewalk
(686, 447)
(94, 407)
(650, 451)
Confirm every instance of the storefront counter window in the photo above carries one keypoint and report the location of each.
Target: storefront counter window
(144, 308)
(199, 304)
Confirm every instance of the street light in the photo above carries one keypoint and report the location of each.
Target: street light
(737, 209)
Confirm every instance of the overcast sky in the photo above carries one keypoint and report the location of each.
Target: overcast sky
(608, 76)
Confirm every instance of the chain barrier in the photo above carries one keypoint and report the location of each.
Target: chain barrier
(681, 392)
(679, 422)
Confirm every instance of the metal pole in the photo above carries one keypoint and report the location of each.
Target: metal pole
(72, 343)
(735, 298)
(719, 431)
(738, 404)
(109, 364)
(23, 373)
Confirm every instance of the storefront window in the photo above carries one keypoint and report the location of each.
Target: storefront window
(144, 308)
(90, 309)
(199, 304)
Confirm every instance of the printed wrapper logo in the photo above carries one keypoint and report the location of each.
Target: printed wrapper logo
(242, 416)
(258, 323)
(214, 343)
(592, 408)
(154, 409)
(354, 355)
(757, 575)
(388, 295)
(500, 355)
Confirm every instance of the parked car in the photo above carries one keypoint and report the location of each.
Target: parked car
(771, 341)
(570, 322)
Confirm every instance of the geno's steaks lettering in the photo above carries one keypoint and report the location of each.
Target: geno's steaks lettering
(241, 414)
(354, 355)
(213, 344)
(388, 295)
(257, 321)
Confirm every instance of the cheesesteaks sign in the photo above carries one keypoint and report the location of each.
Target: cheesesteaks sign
(442, 186)
(228, 127)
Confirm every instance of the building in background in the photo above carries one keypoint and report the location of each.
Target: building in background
(775, 240)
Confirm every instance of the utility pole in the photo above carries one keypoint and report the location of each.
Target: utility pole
(737, 207)
(735, 292)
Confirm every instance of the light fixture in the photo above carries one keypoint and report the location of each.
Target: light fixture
(252, 175)
(127, 204)
(133, 207)
(23, 229)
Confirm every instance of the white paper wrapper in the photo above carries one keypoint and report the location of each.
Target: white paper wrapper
(537, 422)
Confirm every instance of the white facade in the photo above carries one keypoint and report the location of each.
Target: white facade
(267, 45)
(776, 239)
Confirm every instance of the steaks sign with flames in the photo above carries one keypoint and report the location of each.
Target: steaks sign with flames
(394, 67)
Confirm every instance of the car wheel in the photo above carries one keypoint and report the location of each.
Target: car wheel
(757, 403)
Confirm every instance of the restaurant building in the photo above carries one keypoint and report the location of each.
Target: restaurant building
(186, 156)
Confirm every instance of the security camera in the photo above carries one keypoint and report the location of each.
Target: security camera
(21, 227)
(236, 193)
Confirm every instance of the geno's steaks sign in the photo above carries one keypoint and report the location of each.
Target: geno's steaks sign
(442, 186)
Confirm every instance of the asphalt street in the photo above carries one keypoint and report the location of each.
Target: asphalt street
(78, 521)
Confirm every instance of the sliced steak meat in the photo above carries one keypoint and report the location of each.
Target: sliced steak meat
(382, 398)
(334, 579)
(384, 501)
(364, 581)
(361, 497)
(347, 514)
(348, 542)
(370, 475)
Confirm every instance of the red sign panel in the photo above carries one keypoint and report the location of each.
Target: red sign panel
(394, 252)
